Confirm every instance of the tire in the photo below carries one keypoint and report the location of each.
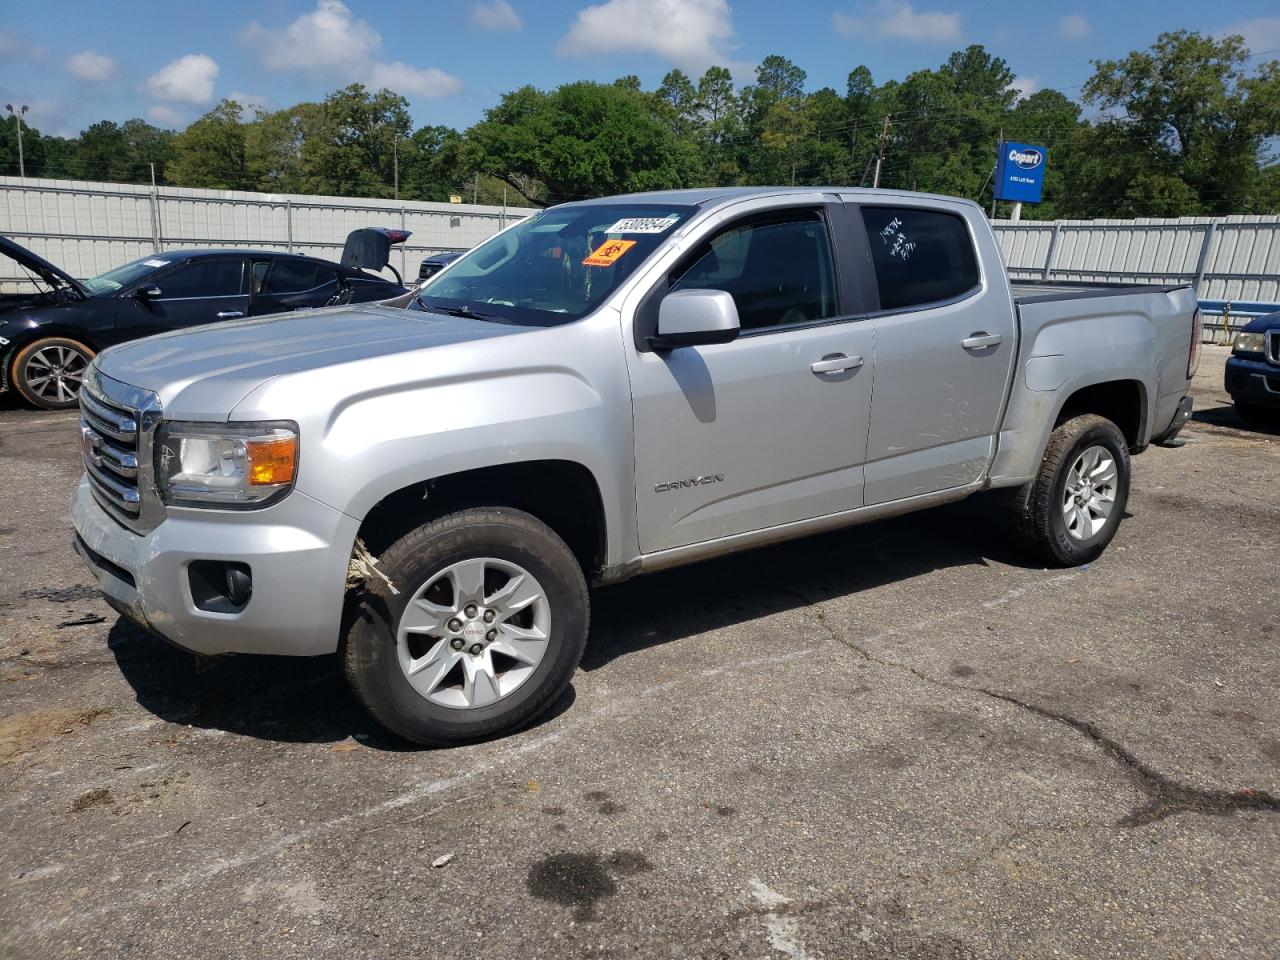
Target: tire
(1042, 516)
(47, 372)
(459, 696)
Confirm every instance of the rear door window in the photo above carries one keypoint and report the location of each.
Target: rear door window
(920, 256)
(297, 276)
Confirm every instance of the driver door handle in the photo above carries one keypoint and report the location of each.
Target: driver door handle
(230, 314)
(980, 340)
(836, 363)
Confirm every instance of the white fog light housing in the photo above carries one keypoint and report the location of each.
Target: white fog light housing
(230, 465)
(1249, 343)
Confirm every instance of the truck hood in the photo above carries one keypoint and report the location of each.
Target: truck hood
(202, 373)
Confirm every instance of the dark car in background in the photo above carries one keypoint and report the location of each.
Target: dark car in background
(1253, 370)
(48, 337)
(434, 264)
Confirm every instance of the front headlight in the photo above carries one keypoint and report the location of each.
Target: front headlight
(1249, 343)
(226, 464)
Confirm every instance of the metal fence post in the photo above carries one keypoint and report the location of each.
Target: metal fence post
(403, 245)
(1204, 254)
(1053, 247)
(288, 223)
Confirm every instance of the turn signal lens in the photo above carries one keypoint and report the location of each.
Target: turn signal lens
(272, 462)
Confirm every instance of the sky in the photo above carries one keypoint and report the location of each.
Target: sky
(75, 62)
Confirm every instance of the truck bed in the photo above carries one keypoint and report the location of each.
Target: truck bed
(1035, 291)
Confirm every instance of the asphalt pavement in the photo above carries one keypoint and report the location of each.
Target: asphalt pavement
(902, 740)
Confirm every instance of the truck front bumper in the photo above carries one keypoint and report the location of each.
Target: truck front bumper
(1253, 381)
(297, 553)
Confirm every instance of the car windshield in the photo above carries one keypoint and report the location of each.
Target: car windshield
(121, 277)
(555, 267)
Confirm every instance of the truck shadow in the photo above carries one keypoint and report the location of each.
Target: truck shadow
(282, 699)
(675, 604)
(1227, 416)
(306, 700)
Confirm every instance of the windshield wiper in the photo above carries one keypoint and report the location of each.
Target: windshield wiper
(465, 312)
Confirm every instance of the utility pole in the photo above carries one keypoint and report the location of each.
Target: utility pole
(884, 139)
(17, 115)
(999, 151)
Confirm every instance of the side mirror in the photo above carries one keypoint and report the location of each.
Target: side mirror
(688, 318)
(147, 293)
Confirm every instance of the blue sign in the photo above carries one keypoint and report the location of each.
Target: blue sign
(1020, 172)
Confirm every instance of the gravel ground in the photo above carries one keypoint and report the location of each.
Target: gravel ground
(902, 740)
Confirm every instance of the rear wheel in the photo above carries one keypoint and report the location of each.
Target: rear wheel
(1072, 509)
(488, 627)
(48, 372)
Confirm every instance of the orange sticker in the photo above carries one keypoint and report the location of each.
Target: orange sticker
(608, 253)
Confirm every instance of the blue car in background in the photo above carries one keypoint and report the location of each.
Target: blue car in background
(1253, 370)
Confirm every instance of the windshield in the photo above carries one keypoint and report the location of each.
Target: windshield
(121, 277)
(555, 267)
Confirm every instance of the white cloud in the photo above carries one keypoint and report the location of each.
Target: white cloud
(253, 103)
(692, 34)
(1259, 35)
(188, 79)
(91, 66)
(1025, 85)
(407, 80)
(899, 20)
(1074, 27)
(17, 46)
(166, 116)
(497, 15)
(330, 43)
(328, 38)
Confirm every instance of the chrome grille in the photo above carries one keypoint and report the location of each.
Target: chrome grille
(116, 424)
(1273, 346)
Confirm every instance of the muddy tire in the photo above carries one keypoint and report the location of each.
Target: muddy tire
(47, 372)
(484, 635)
(1072, 509)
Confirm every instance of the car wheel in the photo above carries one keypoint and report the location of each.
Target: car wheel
(485, 633)
(1072, 509)
(48, 372)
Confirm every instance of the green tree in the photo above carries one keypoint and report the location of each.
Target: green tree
(211, 152)
(1186, 124)
(273, 145)
(582, 139)
(353, 149)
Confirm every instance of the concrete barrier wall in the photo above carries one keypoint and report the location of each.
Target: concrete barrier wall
(88, 228)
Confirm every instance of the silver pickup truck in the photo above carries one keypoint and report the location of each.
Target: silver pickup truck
(429, 487)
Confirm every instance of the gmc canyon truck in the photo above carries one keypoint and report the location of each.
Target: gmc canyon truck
(429, 486)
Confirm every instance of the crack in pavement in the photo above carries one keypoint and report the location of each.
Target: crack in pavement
(1166, 797)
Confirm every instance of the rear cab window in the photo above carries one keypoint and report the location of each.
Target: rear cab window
(921, 256)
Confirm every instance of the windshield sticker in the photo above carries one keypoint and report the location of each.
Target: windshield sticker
(644, 224)
(893, 238)
(608, 253)
(155, 263)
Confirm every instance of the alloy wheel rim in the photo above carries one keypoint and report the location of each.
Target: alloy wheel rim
(1089, 495)
(55, 373)
(473, 633)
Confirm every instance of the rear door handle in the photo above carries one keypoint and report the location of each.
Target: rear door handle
(979, 340)
(230, 314)
(836, 363)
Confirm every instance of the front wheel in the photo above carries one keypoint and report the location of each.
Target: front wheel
(48, 372)
(1071, 510)
(484, 635)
